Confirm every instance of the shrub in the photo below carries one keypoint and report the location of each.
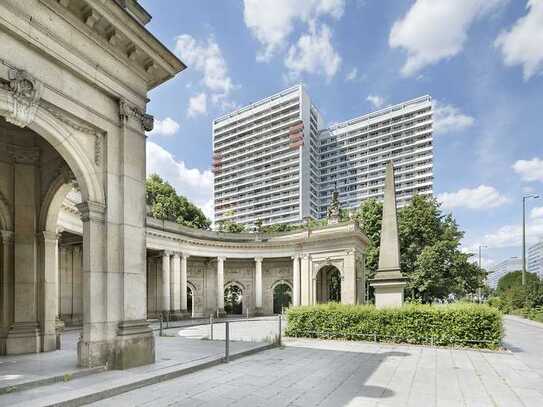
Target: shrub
(472, 325)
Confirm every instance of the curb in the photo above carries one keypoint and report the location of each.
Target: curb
(105, 394)
(68, 376)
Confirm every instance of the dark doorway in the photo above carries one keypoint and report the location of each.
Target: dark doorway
(233, 300)
(282, 297)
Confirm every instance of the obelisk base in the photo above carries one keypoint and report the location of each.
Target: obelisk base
(388, 293)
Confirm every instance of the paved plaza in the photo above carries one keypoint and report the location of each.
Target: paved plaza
(336, 373)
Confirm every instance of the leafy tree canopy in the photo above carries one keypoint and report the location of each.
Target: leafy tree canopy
(430, 253)
(167, 205)
(513, 280)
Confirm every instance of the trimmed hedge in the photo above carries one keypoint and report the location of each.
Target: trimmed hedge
(470, 325)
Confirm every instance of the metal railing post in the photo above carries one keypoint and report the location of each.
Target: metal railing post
(227, 342)
(279, 335)
(211, 326)
(161, 332)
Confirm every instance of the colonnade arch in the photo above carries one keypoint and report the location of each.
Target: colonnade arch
(328, 284)
(234, 299)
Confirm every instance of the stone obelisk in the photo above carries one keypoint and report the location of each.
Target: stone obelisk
(388, 282)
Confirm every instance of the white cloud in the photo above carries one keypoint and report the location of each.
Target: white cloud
(511, 235)
(197, 105)
(314, 54)
(352, 75)
(272, 21)
(529, 170)
(376, 101)
(448, 118)
(206, 57)
(166, 127)
(192, 183)
(481, 197)
(537, 213)
(522, 45)
(435, 30)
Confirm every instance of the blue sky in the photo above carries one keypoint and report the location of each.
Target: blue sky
(481, 61)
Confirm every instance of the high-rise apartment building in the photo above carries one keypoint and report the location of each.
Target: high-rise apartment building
(503, 268)
(534, 259)
(275, 160)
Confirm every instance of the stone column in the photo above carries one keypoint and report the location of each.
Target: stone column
(175, 277)
(305, 280)
(165, 284)
(49, 290)
(258, 285)
(6, 284)
(296, 280)
(183, 288)
(348, 279)
(220, 285)
(97, 335)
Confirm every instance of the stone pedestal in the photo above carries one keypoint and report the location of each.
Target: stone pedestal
(23, 337)
(135, 344)
(388, 293)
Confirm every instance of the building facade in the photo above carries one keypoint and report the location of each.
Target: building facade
(501, 269)
(74, 83)
(266, 160)
(276, 161)
(534, 260)
(192, 273)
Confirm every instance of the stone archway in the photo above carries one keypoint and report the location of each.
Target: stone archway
(282, 296)
(233, 298)
(328, 284)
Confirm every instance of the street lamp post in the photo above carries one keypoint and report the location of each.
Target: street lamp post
(524, 198)
(481, 246)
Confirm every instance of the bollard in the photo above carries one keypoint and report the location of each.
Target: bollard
(161, 332)
(279, 335)
(374, 337)
(167, 319)
(211, 326)
(227, 342)
(247, 312)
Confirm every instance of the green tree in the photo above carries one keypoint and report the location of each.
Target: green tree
(230, 226)
(369, 217)
(513, 280)
(167, 205)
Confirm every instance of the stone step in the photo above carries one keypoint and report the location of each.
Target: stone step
(59, 378)
(112, 383)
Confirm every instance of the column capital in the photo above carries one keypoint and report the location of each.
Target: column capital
(177, 254)
(221, 258)
(7, 236)
(90, 210)
(295, 257)
(48, 237)
(259, 259)
(184, 255)
(166, 253)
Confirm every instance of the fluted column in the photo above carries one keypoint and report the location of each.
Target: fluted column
(296, 280)
(220, 284)
(175, 277)
(258, 285)
(183, 288)
(165, 289)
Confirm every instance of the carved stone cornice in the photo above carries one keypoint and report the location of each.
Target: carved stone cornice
(23, 96)
(127, 111)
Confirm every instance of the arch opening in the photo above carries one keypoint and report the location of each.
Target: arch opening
(282, 297)
(233, 299)
(328, 287)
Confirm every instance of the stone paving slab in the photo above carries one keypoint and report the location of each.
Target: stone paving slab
(310, 372)
(175, 356)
